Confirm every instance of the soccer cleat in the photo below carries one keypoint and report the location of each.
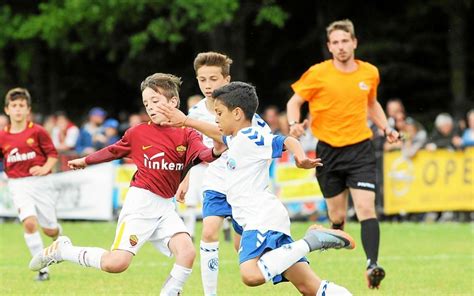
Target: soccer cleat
(320, 238)
(374, 274)
(49, 255)
(42, 276)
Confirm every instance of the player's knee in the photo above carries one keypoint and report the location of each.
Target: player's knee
(51, 232)
(210, 235)
(117, 265)
(30, 225)
(252, 279)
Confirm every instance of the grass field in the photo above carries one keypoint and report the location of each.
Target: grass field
(420, 259)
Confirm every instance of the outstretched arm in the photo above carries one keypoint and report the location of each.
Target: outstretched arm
(177, 118)
(302, 161)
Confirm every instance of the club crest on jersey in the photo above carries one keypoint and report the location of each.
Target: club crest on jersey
(181, 148)
(133, 239)
(30, 141)
(158, 162)
(363, 86)
(231, 164)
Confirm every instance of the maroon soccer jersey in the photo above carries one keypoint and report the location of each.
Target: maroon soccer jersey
(26, 149)
(160, 154)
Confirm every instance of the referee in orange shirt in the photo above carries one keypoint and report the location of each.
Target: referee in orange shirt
(342, 95)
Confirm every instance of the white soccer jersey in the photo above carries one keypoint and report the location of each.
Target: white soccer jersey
(254, 206)
(214, 176)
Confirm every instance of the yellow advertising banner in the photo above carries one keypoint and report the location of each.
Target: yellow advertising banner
(431, 181)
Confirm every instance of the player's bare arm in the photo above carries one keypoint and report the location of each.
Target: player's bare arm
(293, 108)
(302, 161)
(45, 168)
(78, 163)
(377, 115)
(182, 189)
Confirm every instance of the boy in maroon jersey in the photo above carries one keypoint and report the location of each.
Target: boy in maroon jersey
(161, 155)
(28, 155)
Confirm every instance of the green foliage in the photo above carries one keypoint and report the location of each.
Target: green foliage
(273, 14)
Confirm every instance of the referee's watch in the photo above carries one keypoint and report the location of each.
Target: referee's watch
(293, 122)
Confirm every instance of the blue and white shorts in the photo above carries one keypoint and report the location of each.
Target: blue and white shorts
(215, 204)
(254, 244)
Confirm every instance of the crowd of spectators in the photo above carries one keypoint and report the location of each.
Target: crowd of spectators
(99, 130)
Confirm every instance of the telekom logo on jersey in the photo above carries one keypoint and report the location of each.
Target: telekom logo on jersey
(14, 156)
(161, 164)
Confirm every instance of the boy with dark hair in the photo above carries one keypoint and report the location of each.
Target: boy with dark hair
(161, 155)
(267, 251)
(28, 156)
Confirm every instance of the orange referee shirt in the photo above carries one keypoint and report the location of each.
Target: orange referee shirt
(338, 101)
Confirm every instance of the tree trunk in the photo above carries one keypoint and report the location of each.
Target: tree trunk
(457, 34)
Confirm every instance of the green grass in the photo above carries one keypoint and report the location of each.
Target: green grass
(420, 259)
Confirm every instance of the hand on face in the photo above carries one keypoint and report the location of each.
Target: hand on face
(173, 116)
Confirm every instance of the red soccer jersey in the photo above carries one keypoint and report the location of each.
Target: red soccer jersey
(26, 149)
(160, 154)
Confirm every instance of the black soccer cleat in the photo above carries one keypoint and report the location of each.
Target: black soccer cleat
(42, 276)
(374, 274)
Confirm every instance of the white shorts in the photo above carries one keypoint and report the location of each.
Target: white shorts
(194, 195)
(35, 196)
(144, 217)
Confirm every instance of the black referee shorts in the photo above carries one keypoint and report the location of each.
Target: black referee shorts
(351, 166)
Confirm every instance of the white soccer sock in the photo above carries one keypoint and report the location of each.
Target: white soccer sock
(328, 288)
(175, 282)
(85, 256)
(189, 218)
(209, 267)
(35, 245)
(278, 260)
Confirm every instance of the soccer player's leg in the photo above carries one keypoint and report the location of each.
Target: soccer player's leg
(370, 234)
(308, 283)
(215, 208)
(172, 238)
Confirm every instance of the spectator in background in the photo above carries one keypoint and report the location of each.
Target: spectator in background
(284, 126)
(395, 110)
(90, 132)
(415, 137)
(271, 116)
(65, 133)
(111, 131)
(49, 122)
(193, 100)
(444, 135)
(3, 121)
(468, 134)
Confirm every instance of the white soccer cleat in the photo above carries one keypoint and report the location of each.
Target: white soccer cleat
(49, 255)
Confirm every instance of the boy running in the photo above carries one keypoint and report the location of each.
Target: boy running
(161, 155)
(28, 156)
(267, 251)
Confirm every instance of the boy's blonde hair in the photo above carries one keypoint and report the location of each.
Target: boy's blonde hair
(345, 25)
(18, 93)
(168, 83)
(212, 58)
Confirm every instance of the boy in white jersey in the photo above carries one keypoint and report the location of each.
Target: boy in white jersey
(161, 155)
(212, 71)
(267, 251)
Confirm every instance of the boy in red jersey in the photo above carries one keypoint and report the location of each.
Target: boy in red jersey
(161, 155)
(28, 155)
